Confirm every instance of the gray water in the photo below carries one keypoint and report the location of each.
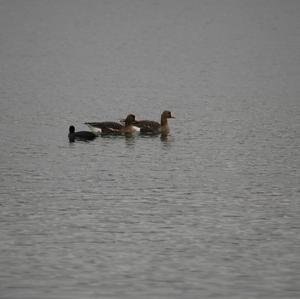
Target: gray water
(212, 211)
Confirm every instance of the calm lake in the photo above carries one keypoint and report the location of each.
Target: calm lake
(211, 211)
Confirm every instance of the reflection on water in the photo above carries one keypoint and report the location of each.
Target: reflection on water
(209, 211)
(167, 140)
(130, 140)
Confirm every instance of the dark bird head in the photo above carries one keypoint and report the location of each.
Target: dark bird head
(71, 134)
(130, 119)
(71, 129)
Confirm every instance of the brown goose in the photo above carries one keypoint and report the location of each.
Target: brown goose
(153, 127)
(109, 127)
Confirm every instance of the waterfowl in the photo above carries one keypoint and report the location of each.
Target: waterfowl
(109, 127)
(154, 127)
(81, 135)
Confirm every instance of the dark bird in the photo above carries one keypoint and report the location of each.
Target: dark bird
(81, 135)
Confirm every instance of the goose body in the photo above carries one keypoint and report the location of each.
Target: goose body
(109, 127)
(81, 135)
(154, 127)
(104, 127)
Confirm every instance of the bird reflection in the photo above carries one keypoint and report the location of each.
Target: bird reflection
(166, 140)
(129, 140)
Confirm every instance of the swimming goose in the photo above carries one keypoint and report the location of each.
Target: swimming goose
(153, 127)
(81, 135)
(110, 127)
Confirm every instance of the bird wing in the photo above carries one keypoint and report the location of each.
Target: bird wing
(106, 125)
(148, 125)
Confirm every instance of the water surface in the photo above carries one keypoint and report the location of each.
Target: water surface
(212, 211)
